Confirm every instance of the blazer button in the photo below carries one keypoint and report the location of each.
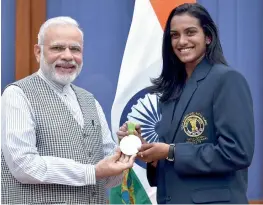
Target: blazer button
(90, 154)
(168, 198)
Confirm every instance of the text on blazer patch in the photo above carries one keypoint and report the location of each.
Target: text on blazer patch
(194, 125)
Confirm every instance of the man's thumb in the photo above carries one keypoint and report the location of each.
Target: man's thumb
(116, 155)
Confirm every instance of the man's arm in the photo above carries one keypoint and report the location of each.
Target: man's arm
(21, 155)
(20, 151)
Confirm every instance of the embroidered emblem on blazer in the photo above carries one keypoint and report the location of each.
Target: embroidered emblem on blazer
(194, 125)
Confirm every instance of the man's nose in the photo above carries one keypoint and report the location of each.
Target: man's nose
(67, 55)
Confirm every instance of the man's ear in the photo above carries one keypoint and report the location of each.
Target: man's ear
(37, 52)
(207, 40)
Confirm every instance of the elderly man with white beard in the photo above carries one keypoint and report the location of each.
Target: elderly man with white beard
(56, 144)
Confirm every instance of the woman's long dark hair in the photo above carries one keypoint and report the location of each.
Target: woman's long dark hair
(169, 84)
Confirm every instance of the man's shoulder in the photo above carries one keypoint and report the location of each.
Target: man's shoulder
(27, 78)
(16, 85)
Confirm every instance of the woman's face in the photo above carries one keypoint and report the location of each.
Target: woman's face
(188, 39)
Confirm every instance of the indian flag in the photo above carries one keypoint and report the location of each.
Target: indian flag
(142, 60)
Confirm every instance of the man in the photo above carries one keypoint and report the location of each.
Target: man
(54, 134)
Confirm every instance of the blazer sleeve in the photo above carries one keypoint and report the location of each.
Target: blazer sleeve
(234, 123)
(151, 174)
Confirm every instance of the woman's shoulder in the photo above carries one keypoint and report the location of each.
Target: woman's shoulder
(226, 73)
(221, 69)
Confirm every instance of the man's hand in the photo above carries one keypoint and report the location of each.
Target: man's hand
(123, 131)
(114, 165)
(153, 152)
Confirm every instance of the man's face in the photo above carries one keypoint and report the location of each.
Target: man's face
(60, 56)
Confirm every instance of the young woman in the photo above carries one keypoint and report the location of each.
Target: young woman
(206, 133)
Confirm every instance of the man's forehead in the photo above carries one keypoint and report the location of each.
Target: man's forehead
(65, 43)
(57, 33)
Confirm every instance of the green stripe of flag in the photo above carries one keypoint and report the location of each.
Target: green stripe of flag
(130, 191)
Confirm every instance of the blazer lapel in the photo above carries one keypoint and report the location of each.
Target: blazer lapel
(199, 73)
(188, 92)
(163, 127)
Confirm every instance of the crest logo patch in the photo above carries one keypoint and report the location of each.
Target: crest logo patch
(194, 125)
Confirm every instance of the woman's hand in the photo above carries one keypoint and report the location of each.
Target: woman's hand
(153, 152)
(123, 131)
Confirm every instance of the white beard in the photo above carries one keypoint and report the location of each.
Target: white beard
(49, 70)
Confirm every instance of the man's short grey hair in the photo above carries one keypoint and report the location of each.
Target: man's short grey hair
(59, 21)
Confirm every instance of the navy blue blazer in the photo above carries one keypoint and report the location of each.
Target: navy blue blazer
(212, 126)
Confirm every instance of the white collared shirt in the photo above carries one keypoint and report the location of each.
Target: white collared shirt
(19, 141)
